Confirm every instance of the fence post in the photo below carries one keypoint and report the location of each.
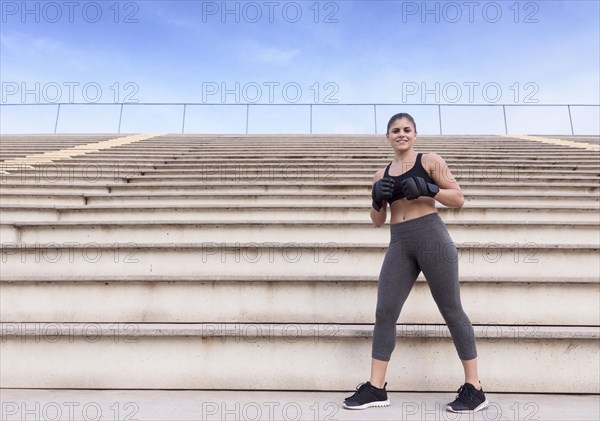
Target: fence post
(375, 116)
(247, 116)
(183, 121)
(570, 120)
(310, 112)
(440, 117)
(56, 122)
(505, 125)
(120, 118)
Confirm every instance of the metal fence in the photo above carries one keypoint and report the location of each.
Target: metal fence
(248, 106)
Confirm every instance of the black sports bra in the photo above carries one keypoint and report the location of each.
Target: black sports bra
(416, 171)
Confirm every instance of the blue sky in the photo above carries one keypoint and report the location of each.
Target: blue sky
(482, 52)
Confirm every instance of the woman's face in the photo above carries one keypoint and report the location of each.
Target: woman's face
(402, 134)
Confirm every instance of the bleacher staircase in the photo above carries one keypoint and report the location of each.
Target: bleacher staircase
(250, 262)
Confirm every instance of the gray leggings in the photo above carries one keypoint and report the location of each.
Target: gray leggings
(421, 244)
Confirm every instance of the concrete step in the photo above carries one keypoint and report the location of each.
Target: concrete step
(288, 299)
(264, 309)
(486, 260)
(366, 163)
(41, 188)
(223, 200)
(288, 357)
(304, 151)
(380, 160)
(33, 142)
(340, 212)
(456, 144)
(283, 144)
(341, 168)
(295, 151)
(339, 144)
(327, 187)
(448, 144)
(107, 177)
(39, 199)
(231, 231)
(245, 405)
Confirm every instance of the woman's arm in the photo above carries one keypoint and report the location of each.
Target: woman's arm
(379, 218)
(450, 193)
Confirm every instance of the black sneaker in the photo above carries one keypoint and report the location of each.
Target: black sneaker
(468, 400)
(366, 396)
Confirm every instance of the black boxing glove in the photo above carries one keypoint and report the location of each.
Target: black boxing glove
(414, 187)
(381, 191)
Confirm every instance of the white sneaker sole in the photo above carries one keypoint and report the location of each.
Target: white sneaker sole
(483, 405)
(368, 405)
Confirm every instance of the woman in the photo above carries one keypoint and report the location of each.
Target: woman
(419, 242)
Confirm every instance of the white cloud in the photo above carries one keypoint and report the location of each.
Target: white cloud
(263, 54)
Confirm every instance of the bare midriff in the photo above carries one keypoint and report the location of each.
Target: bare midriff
(404, 210)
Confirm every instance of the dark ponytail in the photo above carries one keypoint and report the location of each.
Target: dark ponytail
(398, 117)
